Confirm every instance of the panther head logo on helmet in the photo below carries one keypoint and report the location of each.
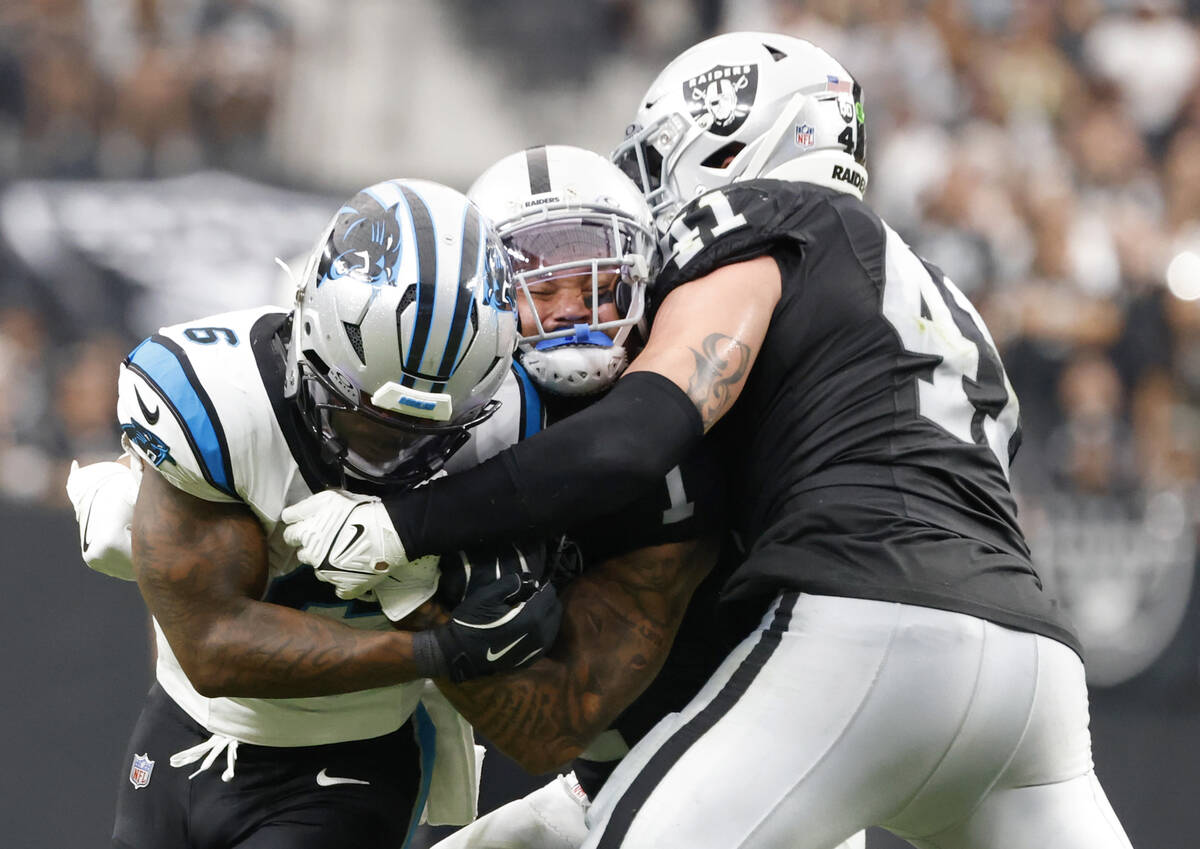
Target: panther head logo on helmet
(365, 243)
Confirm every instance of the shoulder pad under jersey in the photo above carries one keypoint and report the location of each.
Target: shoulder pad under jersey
(191, 402)
(736, 223)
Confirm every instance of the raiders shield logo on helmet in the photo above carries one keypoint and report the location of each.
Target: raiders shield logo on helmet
(721, 97)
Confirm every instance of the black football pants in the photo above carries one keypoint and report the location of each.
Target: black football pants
(366, 794)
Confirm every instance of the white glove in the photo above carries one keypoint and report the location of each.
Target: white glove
(347, 539)
(103, 495)
(407, 586)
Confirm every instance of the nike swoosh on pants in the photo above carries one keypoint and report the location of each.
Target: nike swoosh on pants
(326, 780)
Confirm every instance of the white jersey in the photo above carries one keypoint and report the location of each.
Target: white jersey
(203, 403)
(520, 416)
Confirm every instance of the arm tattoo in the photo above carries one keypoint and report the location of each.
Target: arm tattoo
(720, 367)
(202, 569)
(620, 620)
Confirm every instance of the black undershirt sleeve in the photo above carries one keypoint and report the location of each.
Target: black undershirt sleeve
(591, 464)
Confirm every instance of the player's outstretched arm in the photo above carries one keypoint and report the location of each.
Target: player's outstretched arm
(202, 569)
(619, 621)
(706, 337)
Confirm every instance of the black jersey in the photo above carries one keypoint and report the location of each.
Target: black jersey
(870, 446)
(689, 503)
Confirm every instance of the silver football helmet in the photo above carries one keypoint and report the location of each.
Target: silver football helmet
(579, 236)
(402, 332)
(741, 106)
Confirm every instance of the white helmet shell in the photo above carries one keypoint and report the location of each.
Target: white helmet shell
(742, 106)
(404, 314)
(578, 209)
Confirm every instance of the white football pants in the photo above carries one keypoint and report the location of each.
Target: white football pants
(551, 817)
(838, 713)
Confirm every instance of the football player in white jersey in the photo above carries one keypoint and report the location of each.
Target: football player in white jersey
(402, 333)
(909, 670)
(586, 252)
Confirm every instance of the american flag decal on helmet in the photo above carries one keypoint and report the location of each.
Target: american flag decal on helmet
(832, 83)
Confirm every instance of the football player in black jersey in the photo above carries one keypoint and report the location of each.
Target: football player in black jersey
(909, 671)
(578, 233)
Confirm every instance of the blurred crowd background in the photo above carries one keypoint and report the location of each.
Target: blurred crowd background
(156, 155)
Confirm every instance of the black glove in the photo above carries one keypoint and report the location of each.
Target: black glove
(464, 573)
(564, 563)
(501, 627)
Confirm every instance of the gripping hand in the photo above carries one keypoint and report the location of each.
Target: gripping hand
(464, 573)
(347, 539)
(503, 626)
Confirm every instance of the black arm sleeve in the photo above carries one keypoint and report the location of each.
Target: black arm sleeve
(594, 462)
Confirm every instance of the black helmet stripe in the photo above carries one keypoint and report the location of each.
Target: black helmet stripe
(860, 145)
(468, 266)
(426, 286)
(539, 170)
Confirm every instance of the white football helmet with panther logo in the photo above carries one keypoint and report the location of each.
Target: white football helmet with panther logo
(403, 330)
(567, 214)
(742, 106)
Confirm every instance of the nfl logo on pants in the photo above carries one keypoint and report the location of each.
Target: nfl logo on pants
(139, 774)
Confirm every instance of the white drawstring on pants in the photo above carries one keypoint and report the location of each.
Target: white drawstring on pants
(210, 750)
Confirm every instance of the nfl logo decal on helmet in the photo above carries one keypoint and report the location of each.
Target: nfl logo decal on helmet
(139, 773)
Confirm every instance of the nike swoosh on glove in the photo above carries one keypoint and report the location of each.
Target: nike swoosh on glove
(103, 495)
(502, 627)
(348, 540)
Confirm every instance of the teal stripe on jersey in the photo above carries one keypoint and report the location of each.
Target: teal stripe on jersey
(531, 402)
(166, 367)
(427, 740)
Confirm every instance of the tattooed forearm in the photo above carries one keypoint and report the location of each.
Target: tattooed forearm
(202, 568)
(721, 364)
(620, 620)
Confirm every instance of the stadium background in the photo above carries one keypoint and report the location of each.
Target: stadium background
(155, 155)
